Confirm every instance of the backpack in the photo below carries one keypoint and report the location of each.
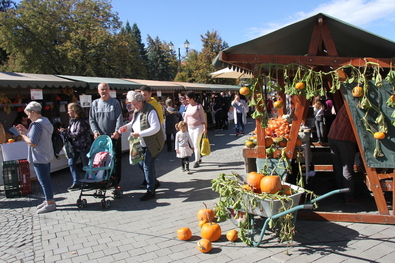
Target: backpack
(57, 143)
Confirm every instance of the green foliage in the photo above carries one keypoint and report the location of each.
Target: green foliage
(60, 37)
(159, 60)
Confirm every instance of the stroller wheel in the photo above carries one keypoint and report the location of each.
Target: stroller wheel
(84, 203)
(79, 203)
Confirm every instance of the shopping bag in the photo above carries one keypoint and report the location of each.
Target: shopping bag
(68, 148)
(136, 150)
(205, 149)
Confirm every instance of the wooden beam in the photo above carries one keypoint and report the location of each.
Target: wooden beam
(315, 41)
(241, 60)
(347, 217)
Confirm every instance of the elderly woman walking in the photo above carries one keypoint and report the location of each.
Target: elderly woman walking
(146, 126)
(40, 151)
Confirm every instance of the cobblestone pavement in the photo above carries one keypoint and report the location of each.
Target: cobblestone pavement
(134, 231)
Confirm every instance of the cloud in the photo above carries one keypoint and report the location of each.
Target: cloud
(361, 13)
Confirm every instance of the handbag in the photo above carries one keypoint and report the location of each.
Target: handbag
(136, 150)
(68, 148)
(205, 149)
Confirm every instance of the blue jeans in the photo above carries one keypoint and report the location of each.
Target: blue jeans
(43, 172)
(148, 167)
(75, 173)
(240, 125)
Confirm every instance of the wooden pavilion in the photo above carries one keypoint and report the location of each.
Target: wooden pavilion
(323, 43)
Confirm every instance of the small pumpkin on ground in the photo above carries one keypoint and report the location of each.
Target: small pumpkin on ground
(204, 245)
(205, 214)
(211, 231)
(231, 235)
(184, 233)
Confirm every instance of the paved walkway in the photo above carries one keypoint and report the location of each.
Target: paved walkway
(134, 231)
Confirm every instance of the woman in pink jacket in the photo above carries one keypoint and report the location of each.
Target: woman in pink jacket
(194, 117)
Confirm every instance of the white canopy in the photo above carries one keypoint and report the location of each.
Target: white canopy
(228, 73)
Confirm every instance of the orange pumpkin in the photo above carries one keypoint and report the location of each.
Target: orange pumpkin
(287, 189)
(232, 235)
(249, 144)
(205, 214)
(244, 91)
(278, 104)
(246, 187)
(379, 135)
(184, 233)
(268, 142)
(202, 222)
(282, 143)
(357, 91)
(300, 85)
(254, 179)
(211, 231)
(271, 184)
(204, 245)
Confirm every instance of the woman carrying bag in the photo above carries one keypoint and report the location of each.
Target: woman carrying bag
(79, 134)
(194, 117)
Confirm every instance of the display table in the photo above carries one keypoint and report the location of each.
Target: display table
(18, 151)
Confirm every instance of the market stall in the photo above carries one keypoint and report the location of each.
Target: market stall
(323, 53)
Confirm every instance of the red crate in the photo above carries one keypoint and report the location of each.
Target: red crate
(25, 184)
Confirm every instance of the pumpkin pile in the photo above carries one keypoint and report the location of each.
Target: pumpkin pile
(278, 128)
(209, 230)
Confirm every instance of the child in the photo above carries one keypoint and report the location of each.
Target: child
(182, 145)
(319, 120)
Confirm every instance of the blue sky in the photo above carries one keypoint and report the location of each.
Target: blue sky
(240, 21)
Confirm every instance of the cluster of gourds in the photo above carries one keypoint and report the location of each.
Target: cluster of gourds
(210, 231)
(232, 190)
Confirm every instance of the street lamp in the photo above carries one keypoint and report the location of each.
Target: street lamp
(186, 45)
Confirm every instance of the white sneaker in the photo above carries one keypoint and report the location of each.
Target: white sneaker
(41, 205)
(47, 208)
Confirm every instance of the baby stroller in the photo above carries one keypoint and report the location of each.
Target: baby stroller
(98, 176)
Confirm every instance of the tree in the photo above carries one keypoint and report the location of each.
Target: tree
(60, 37)
(4, 5)
(143, 59)
(212, 45)
(159, 60)
(127, 59)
